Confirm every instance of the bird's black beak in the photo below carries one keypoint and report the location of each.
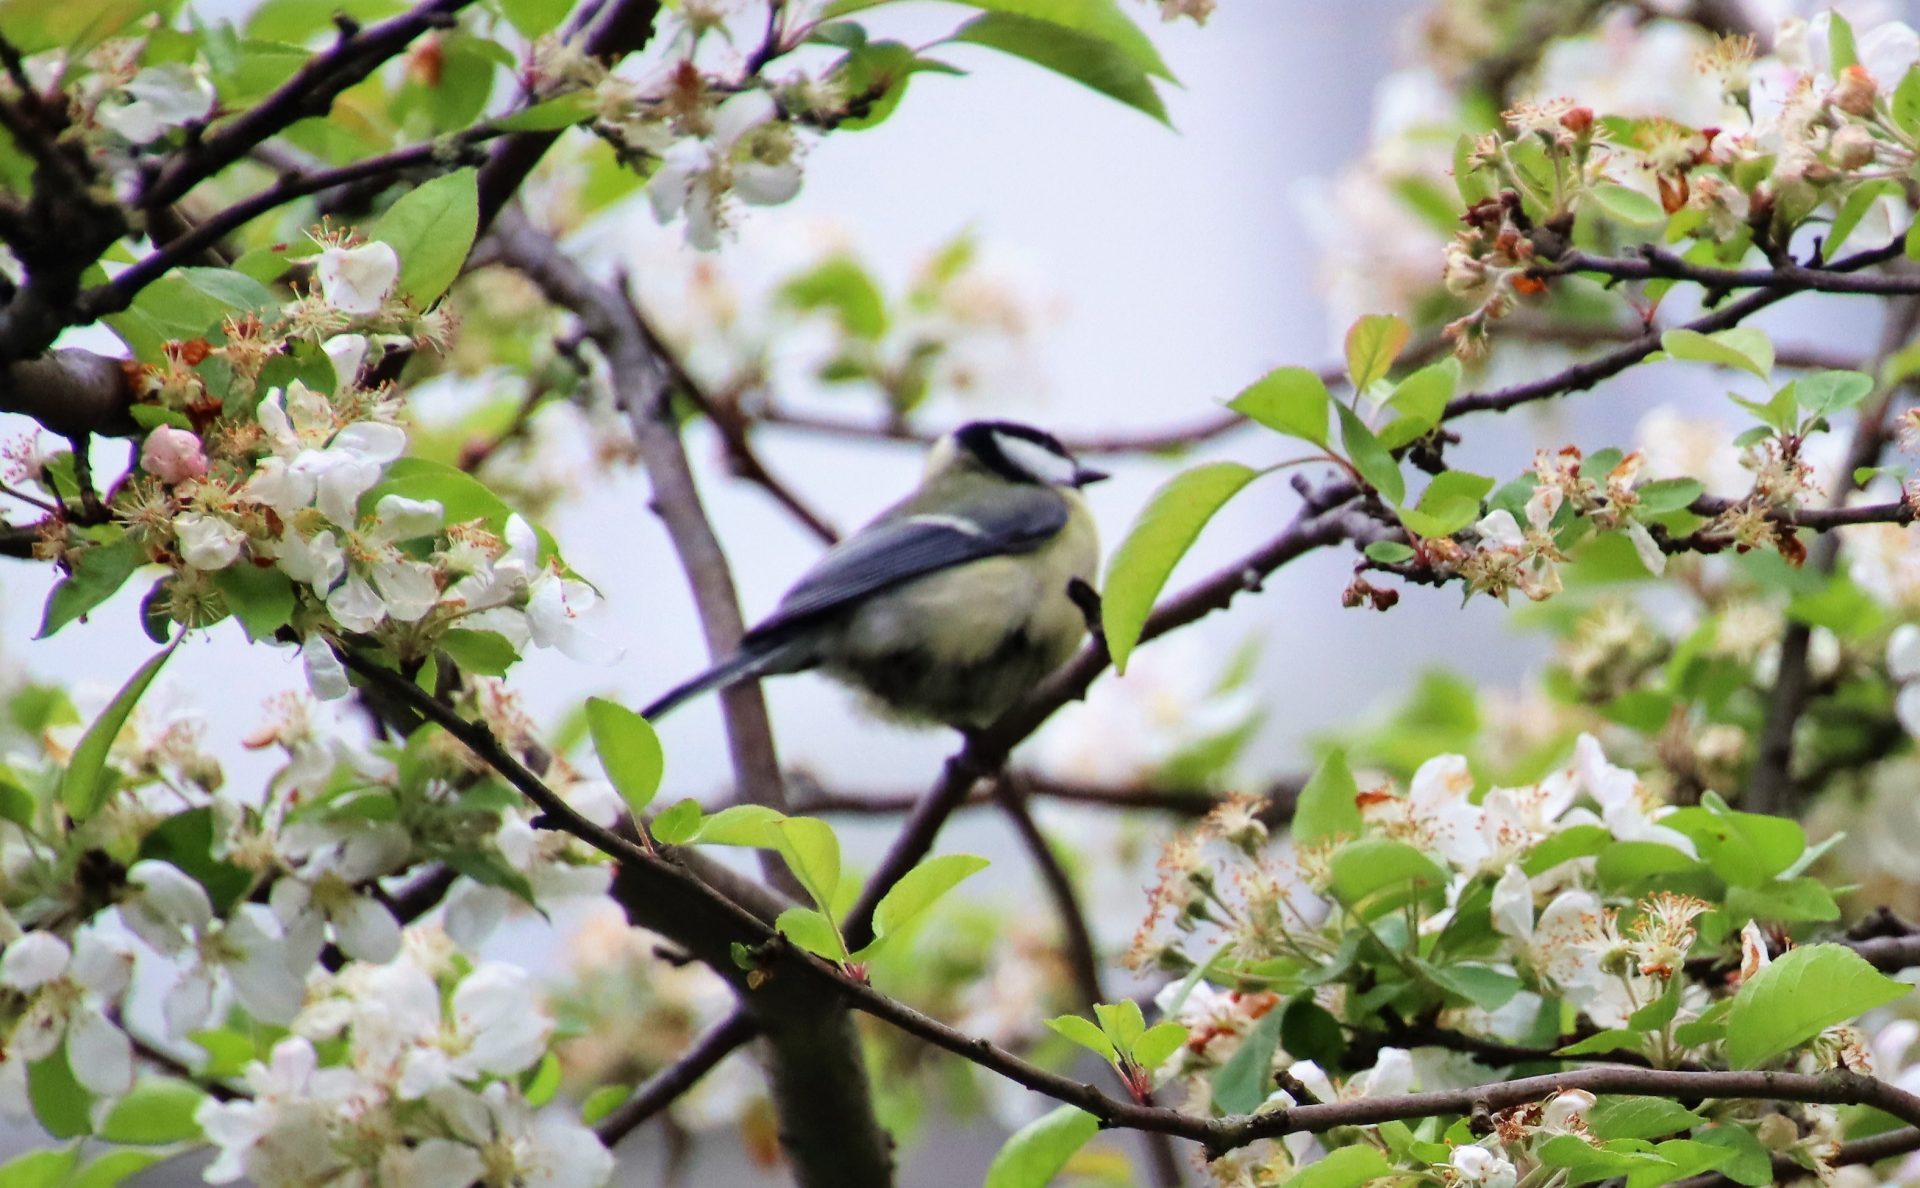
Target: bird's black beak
(1083, 475)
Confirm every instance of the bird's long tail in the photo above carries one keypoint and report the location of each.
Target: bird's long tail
(744, 666)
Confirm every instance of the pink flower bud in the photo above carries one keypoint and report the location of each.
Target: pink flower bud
(1854, 92)
(173, 455)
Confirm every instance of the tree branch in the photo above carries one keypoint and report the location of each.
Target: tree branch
(818, 1076)
(118, 293)
(1655, 263)
(1586, 374)
(310, 92)
(668, 1085)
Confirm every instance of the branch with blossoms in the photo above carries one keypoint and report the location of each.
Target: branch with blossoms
(1650, 964)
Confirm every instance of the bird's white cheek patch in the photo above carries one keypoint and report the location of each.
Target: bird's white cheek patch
(1037, 460)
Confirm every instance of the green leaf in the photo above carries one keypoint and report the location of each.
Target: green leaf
(603, 1101)
(1036, 1153)
(1346, 1167)
(629, 751)
(1289, 400)
(35, 25)
(1450, 502)
(1626, 863)
(1668, 495)
(1482, 985)
(1246, 1079)
(842, 287)
(1686, 1157)
(535, 17)
(1162, 535)
(158, 1110)
(1091, 61)
(61, 1103)
(920, 888)
(1840, 43)
(1310, 1032)
(1421, 400)
(812, 932)
(1472, 186)
(1087, 1034)
(432, 228)
(1745, 849)
(1626, 205)
(1373, 343)
(1122, 1021)
(98, 573)
(739, 825)
(542, 1082)
(1370, 458)
(1157, 1044)
(677, 825)
(108, 1170)
(1363, 869)
(1749, 1162)
(562, 111)
(1328, 806)
(479, 653)
(1824, 393)
(1742, 347)
(1858, 202)
(1787, 900)
(1587, 1164)
(17, 804)
(262, 599)
(1612, 1040)
(40, 1169)
(84, 784)
(1389, 552)
(1800, 994)
(812, 852)
(1906, 102)
(1100, 19)
(1640, 1118)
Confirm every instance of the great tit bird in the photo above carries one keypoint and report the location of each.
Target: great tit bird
(951, 603)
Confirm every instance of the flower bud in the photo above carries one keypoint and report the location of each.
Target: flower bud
(1853, 147)
(173, 455)
(1854, 92)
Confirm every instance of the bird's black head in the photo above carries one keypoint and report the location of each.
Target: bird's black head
(1023, 454)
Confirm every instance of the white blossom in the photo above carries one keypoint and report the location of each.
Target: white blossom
(315, 462)
(208, 542)
(163, 97)
(357, 280)
(69, 991)
(749, 152)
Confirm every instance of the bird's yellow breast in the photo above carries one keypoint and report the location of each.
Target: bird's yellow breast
(961, 645)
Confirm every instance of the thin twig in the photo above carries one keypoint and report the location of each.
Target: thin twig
(118, 293)
(671, 1083)
(1586, 374)
(309, 92)
(1655, 263)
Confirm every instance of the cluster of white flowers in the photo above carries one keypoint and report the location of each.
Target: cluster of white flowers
(1271, 907)
(423, 1091)
(288, 490)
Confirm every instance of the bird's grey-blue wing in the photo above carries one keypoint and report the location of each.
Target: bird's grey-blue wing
(898, 549)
